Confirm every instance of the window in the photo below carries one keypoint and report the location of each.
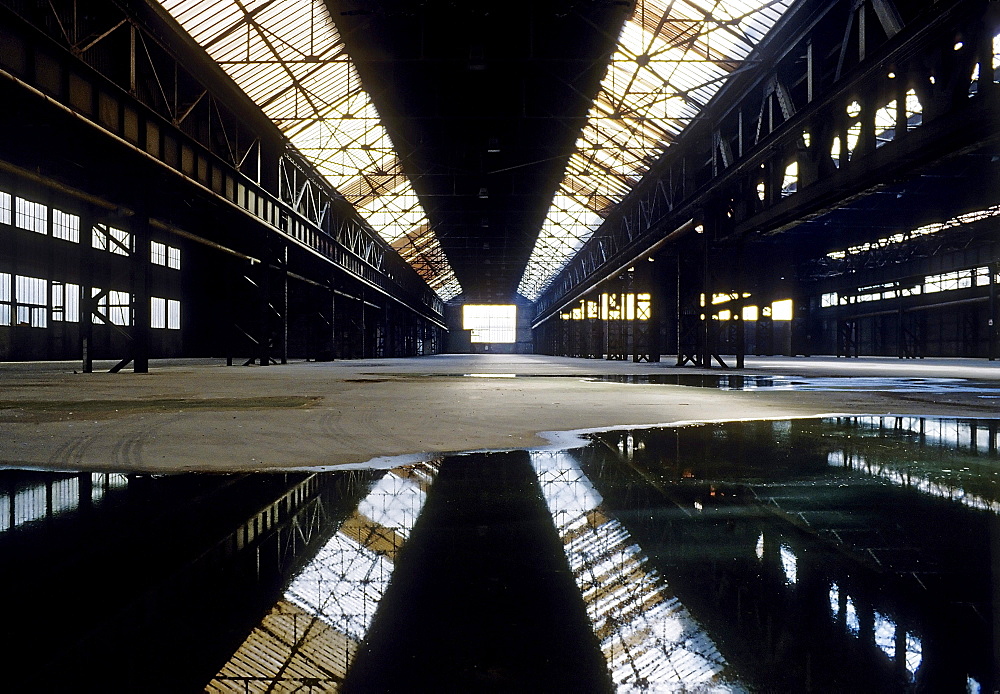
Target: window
(643, 306)
(982, 276)
(105, 238)
(157, 312)
(157, 253)
(31, 301)
(5, 297)
(162, 254)
(885, 124)
(173, 314)
(65, 226)
(32, 216)
(165, 313)
(781, 310)
(490, 323)
(790, 182)
(947, 281)
(65, 302)
(4, 208)
(113, 306)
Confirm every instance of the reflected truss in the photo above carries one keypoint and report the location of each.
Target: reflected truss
(671, 58)
(310, 637)
(649, 639)
(288, 57)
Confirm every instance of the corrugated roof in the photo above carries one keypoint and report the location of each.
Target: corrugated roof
(672, 56)
(288, 56)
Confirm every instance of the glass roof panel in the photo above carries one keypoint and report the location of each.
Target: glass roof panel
(671, 58)
(288, 57)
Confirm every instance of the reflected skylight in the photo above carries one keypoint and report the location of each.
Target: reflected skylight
(672, 56)
(649, 639)
(789, 564)
(851, 616)
(347, 579)
(328, 608)
(885, 634)
(287, 55)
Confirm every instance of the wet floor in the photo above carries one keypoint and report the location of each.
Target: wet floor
(730, 381)
(853, 554)
(810, 383)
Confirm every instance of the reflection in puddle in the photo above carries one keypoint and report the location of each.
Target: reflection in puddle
(312, 634)
(39, 496)
(721, 381)
(649, 639)
(813, 383)
(732, 381)
(744, 556)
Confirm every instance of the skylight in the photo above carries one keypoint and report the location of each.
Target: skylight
(956, 221)
(289, 58)
(672, 56)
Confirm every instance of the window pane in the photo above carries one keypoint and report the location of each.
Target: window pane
(157, 312)
(32, 216)
(491, 323)
(173, 314)
(157, 253)
(65, 226)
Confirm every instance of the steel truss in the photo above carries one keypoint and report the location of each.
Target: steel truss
(813, 103)
(143, 96)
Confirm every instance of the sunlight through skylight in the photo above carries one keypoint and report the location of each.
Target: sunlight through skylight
(671, 58)
(289, 58)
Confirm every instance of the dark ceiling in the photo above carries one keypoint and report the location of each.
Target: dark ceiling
(483, 102)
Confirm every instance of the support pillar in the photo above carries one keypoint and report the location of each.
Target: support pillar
(88, 304)
(139, 270)
(993, 329)
(689, 311)
(263, 283)
(283, 302)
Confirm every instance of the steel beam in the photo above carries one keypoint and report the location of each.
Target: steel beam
(955, 120)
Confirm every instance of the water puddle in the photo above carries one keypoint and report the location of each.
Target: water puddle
(730, 381)
(761, 556)
(832, 383)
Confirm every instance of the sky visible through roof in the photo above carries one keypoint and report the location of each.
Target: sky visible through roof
(288, 57)
(671, 58)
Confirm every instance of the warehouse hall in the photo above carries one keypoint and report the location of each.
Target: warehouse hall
(579, 345)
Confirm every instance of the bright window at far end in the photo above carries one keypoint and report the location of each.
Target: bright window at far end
(490, 322)
(782, 310)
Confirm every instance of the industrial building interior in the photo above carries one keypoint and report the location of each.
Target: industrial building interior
(444, 346)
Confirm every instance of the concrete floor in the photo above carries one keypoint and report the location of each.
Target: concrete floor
(201, 415)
